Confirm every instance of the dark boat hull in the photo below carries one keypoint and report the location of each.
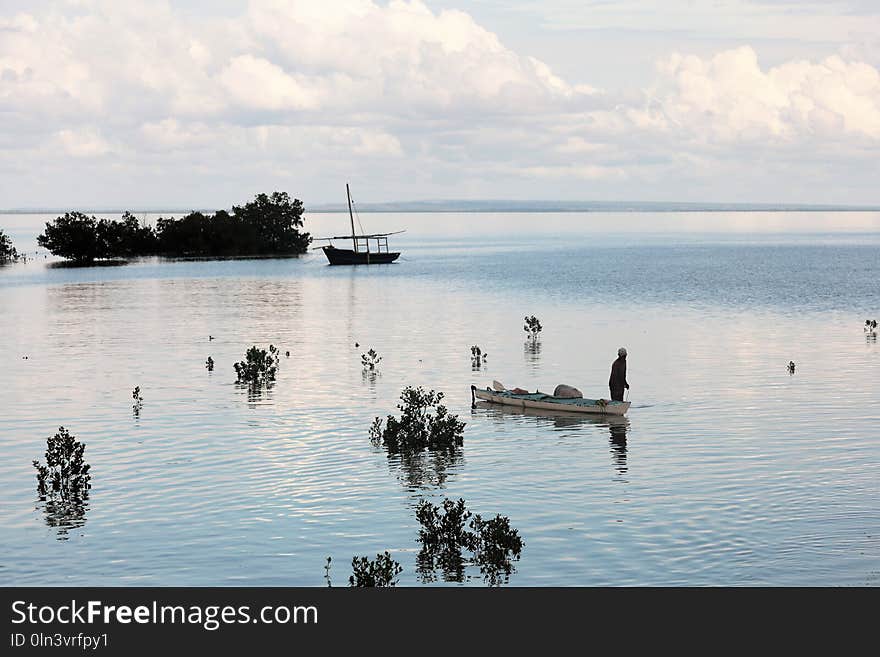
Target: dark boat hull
(351, 257)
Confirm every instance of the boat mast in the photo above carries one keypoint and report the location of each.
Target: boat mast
(351, 216)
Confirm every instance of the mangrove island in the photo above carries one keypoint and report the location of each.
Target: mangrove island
(268, 225)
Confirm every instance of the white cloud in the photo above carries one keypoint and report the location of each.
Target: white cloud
(257, 83)
(83, 143)
(423, 102)
(378, 143)
(729, 97)
(575, 171)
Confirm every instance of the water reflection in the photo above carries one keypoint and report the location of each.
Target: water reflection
(554, 419)
(449, 562)
(532, 352)
(423, 470)
(71, 264)
(64, 516)
(618, 427)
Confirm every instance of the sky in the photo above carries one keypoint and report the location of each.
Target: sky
(147, 104)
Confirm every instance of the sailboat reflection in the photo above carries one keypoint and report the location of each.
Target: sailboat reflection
(618, 426)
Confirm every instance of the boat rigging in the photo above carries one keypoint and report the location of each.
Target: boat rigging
(360, 253)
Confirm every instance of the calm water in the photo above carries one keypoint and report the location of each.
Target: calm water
(728, 470)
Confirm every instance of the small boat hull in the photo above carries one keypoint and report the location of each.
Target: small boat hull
(350, 257)
(550, 403)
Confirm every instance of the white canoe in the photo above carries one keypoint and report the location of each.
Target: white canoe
(551, 403)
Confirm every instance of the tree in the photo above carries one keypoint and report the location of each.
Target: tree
(7, 251)
(276, 219)
(74, 236)
(268, 225)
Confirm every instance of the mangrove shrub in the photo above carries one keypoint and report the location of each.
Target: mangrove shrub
(381, 571)
(493, 544)
(259, 366)
(7, 251)
(417, 428)
(66, 474)
(370, 360)
(532, 327)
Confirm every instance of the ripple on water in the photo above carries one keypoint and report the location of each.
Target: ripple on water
(728, 470)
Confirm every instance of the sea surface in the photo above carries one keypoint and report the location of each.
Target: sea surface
(728, 469)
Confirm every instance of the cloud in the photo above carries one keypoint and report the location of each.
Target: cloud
(257, 83)
(83, 143)
(729, 97)
(419, 102)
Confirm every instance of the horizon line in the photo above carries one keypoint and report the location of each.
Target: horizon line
(488, 205)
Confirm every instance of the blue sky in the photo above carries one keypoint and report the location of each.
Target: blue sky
(143, 104)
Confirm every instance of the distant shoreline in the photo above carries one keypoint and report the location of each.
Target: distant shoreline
(416, 207)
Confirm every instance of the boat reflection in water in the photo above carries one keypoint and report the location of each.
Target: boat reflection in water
(617, 425)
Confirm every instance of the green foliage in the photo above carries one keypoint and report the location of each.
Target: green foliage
(65, 475)
(495, 546)
(259, 366)
(85, 239)
(417, 428)
(370, 360)
(444, 531)
(127, 238)
(7, 251)
(73, 236)
(532, 326)
(381, 571)
(327, 571)
(268, 225)
(493, 543)
(138, 401)
(275, 219)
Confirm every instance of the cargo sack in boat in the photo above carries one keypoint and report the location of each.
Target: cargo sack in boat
(567, 392)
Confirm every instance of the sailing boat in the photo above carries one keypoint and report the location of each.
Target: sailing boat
(361, 254)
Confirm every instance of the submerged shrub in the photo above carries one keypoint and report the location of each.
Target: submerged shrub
(138, 401)
(370, 360)
(446, 530)
(209, 364)
(259, 366)
(532, 327)
(65, 475)
(493, 543)
(327, 571)
(7, 251)
(496, 545)
(417, 428)
(478, 356)
(381, 571)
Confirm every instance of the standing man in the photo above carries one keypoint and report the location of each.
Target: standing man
(617, 382)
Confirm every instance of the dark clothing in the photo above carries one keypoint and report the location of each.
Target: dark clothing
(617, 380)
